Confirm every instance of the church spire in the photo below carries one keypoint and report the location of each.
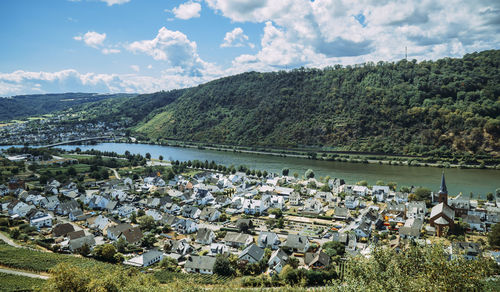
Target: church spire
(443, 189)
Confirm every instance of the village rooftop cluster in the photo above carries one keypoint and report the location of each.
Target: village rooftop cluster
(277, 218)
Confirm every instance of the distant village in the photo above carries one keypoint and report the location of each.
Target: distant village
(55, 129)
(280, 218)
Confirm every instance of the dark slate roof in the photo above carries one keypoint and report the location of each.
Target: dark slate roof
(254, 252)
(79, 242)
(133, 235)
(203, 234)
(321, 257)
(296, 241)
(120, 228)
(170, 219)
(76, 234)
(280, 254)
(62, 229)
(443, 189)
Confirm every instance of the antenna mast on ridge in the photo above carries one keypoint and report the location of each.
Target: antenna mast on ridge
(406, 53)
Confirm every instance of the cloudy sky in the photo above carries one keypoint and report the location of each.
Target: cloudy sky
(150, 45)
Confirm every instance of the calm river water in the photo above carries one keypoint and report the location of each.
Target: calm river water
(477, 181)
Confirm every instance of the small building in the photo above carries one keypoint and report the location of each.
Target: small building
(205, 236)
(236, 239)
(252, 254)
(318, 260)
(42, 221)
(62, 229)
(297, 243)
(277, 260)
(200, 264)
(268, 240)
(146, 259)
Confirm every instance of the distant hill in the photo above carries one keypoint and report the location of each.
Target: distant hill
(22, 106)
(444, 108)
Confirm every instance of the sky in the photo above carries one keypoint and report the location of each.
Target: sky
(108, 46)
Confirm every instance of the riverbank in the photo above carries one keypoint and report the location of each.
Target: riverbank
(339, 156)
(322, 155)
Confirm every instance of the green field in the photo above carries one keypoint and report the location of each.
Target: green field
(10, 282)
(30, 260)
(167, 277)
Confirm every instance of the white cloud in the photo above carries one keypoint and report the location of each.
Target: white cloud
(136, 68)
(327, 32)
(25, 82)
(113, 2)
(236, 38)
(187, 10)
(108, 51)
(175, 48)
(92, 38)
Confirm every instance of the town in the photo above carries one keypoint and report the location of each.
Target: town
(200, 217)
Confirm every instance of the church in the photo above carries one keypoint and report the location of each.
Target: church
(442, 215)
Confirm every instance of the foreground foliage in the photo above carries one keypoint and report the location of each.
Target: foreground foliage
(65, 277)
(10, 282)
(25, 259)
(416, 269)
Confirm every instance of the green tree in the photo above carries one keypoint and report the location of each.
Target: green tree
(334, 248)
(105, 252)
(223, 266)
(71, 171)
(121, 245)
(148, 156)
(147, 223)
(423, 194)
(309, 173)
(169, 264)
(160, 158)
(148, 240)
(285, 171)
(293, 262)
(15, 233)
(490, 197)
(362, 183)
(414, 269)
(494, 236)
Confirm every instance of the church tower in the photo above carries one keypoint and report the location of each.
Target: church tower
(443, 192)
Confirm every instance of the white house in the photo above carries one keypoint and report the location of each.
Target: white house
(145, 259)
(351, 202)
(200, 264)
(42, 221)
(277, 260)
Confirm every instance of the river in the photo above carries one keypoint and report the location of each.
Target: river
(477, 181)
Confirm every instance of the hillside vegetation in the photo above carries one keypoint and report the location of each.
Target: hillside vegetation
(22, 106)
(131, 110)
(444, 108)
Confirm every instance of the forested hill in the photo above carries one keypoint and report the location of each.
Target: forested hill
(22, 106)
(444, 107)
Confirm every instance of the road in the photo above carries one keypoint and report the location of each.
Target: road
(9, 241)
(116, 173)
(25, 274)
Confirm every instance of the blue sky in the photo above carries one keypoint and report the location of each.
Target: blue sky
(150, 45)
